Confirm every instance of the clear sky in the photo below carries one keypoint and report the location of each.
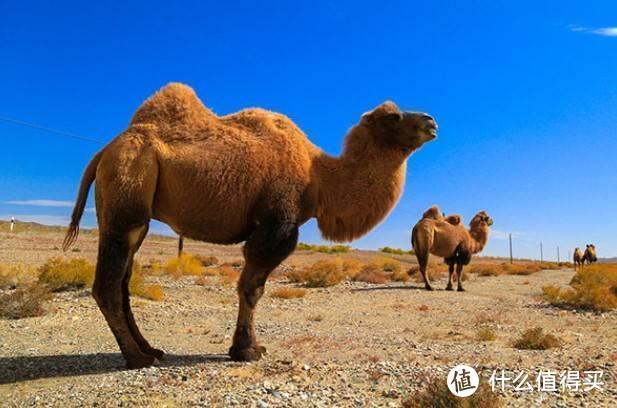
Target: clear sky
(525, 93)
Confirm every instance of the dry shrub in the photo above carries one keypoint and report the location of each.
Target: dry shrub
(351, 267)
(371, 273)
(535, 339)
(201, 281)
(387, 264)
(25, 302)
(434, 270)
(396, 251)
(321, 274)
(288, 293)
(228, 275)
(185, 264)
(437, 394)
(486, 269)
(207, 260)
(66, 274)
(594, 288)
(333, 249)
(486, 335)
(13, 276)
(138, 287)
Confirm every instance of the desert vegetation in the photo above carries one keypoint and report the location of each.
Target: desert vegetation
(437, 394)
(592, 288)
(324, 249)
(536, 339)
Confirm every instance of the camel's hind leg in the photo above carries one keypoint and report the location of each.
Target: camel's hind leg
(111, 270)
(459, 277)
(423, 262)
(267, 247)
(136, 237)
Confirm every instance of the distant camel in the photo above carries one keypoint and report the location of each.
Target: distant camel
(452, 242)
(590, 254)
(251, 176)
(578, 259)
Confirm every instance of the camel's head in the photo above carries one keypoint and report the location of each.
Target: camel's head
(481, 220)
(408, 130)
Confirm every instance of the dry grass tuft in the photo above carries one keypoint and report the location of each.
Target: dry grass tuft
(535, 339)
(434, 270)
(201, 281)
(437, 394)
(13, 276)
(288, 293)
(185, 264)
(351, 267)
(27, 301)
(486, 335)
(207, 260)
(594, 288)
(66, 274)
(138, 287)
(372, 273)
(321, 274)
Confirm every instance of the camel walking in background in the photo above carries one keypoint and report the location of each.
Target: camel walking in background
(252, 176)
(590, 255)
(454, 243)
(578, 259)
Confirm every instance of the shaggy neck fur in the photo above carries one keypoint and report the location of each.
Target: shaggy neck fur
(359, 188)
(480, 237)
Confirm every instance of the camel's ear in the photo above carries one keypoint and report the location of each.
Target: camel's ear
(385, 113)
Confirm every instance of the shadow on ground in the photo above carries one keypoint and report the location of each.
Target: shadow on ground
(24, 368)
(389, 287)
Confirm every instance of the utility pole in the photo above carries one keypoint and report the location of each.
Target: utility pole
(510, 239)
(558, 257)
(541, 253)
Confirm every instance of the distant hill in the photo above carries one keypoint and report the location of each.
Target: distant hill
(608, 260)
(35, 227)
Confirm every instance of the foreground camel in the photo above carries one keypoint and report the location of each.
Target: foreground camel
(251, 176)
(578, 259)
(590, 254)
(454, 243)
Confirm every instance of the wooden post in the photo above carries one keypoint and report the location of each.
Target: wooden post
(510, 239)
(180, 245)
(12, 223)
(558, 257)
(541, 253)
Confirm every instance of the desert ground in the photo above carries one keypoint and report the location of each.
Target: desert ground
(353, 344)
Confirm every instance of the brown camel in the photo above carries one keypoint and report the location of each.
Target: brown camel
(452, 242)
(578, 259)
(435, 213)
(590, 254)
(251, 176)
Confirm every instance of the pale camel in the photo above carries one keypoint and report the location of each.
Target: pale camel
(590, 255)
(251, 176)
(454, 243)
(578, 259)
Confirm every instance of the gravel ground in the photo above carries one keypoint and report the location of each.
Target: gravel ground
(351, 345)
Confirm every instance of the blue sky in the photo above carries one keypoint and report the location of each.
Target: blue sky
(525, 94)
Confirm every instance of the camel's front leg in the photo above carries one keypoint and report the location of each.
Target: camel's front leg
(267, 247)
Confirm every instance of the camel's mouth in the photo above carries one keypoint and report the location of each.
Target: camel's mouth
(432, 132)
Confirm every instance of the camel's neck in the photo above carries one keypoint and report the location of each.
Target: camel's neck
(357, 190)
(480, 238)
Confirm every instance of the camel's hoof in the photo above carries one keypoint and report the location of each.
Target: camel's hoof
(251, 353)
(449, 288)
(142, 361)
(427, 287)
(156, 353)
(460, 289)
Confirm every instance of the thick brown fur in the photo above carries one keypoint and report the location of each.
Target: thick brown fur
(251, 176)
(435, 213)
(454, 243)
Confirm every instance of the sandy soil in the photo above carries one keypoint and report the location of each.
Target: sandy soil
(354, 344)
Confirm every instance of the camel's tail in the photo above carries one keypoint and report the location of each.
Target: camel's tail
(86, 181)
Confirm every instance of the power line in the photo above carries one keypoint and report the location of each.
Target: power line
(48, 130)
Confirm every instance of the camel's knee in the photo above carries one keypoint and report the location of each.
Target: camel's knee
(271, 243)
